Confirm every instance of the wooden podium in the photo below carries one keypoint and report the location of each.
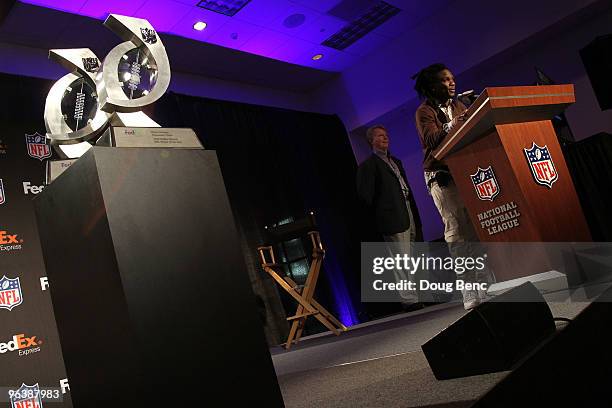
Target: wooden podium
(510, 171)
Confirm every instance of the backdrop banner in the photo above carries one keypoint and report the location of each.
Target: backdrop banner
(30, 353)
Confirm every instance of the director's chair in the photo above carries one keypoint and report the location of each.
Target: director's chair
(303, 294)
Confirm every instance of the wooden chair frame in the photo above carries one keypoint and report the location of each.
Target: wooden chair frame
(307, 306)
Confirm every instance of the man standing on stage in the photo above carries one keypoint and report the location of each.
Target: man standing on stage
(382, 185)
(435, 117)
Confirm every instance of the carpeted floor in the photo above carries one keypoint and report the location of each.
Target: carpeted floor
(400, 381)
(380, 364)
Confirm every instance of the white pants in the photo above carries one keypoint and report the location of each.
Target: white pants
(403, 245)
(459, 232)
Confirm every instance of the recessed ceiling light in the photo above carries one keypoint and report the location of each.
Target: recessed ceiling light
(200, 25)
(317, 57)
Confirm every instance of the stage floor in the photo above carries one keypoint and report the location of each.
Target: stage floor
(380, 364)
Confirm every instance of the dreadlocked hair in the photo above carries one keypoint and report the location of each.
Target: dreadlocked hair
(426, 79)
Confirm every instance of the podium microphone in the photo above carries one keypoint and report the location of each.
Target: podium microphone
(467, 98)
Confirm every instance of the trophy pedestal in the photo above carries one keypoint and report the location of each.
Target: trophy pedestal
(151, 295)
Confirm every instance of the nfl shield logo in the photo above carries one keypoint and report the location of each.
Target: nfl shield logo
(10, 293)
(2, 196)
(27, 396)
(38, 147)
(541, 165)
(148, 35)
(91, 64)
(485, 183)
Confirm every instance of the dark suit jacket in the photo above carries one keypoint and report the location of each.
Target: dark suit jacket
(381, 192)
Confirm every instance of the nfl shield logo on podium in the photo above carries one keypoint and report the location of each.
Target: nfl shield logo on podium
(38, 147)
(10, 293)
(541, 165)
(485, 183)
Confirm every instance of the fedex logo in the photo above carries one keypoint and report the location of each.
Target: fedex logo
(28, 188)
(10, 242)
(6, 238)
(44, 283)
(19, 343)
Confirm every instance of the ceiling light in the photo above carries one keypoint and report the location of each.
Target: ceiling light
(317, 57)
(200, 25)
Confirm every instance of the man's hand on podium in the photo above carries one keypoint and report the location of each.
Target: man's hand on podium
(456, 120)
(462, 116)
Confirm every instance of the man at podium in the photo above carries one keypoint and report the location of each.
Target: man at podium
(435, 117)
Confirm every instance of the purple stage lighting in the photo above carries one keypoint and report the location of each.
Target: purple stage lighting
(292, 31)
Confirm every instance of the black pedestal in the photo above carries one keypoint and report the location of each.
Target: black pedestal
(150, 292)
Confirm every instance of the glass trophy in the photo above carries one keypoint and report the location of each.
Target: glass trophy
(79, 104)
(137, 73)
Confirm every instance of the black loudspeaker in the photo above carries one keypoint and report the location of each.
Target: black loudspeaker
(492, 337)
(571, 369)
(597, 60)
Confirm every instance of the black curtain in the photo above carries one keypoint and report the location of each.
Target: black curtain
(590, 164)
(277, 164)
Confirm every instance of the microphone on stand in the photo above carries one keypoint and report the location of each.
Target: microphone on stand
(467, 98)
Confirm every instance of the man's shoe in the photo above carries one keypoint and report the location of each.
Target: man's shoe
(470, 299)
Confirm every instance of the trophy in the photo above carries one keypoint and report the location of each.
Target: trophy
(72, 117)
(101, 103)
